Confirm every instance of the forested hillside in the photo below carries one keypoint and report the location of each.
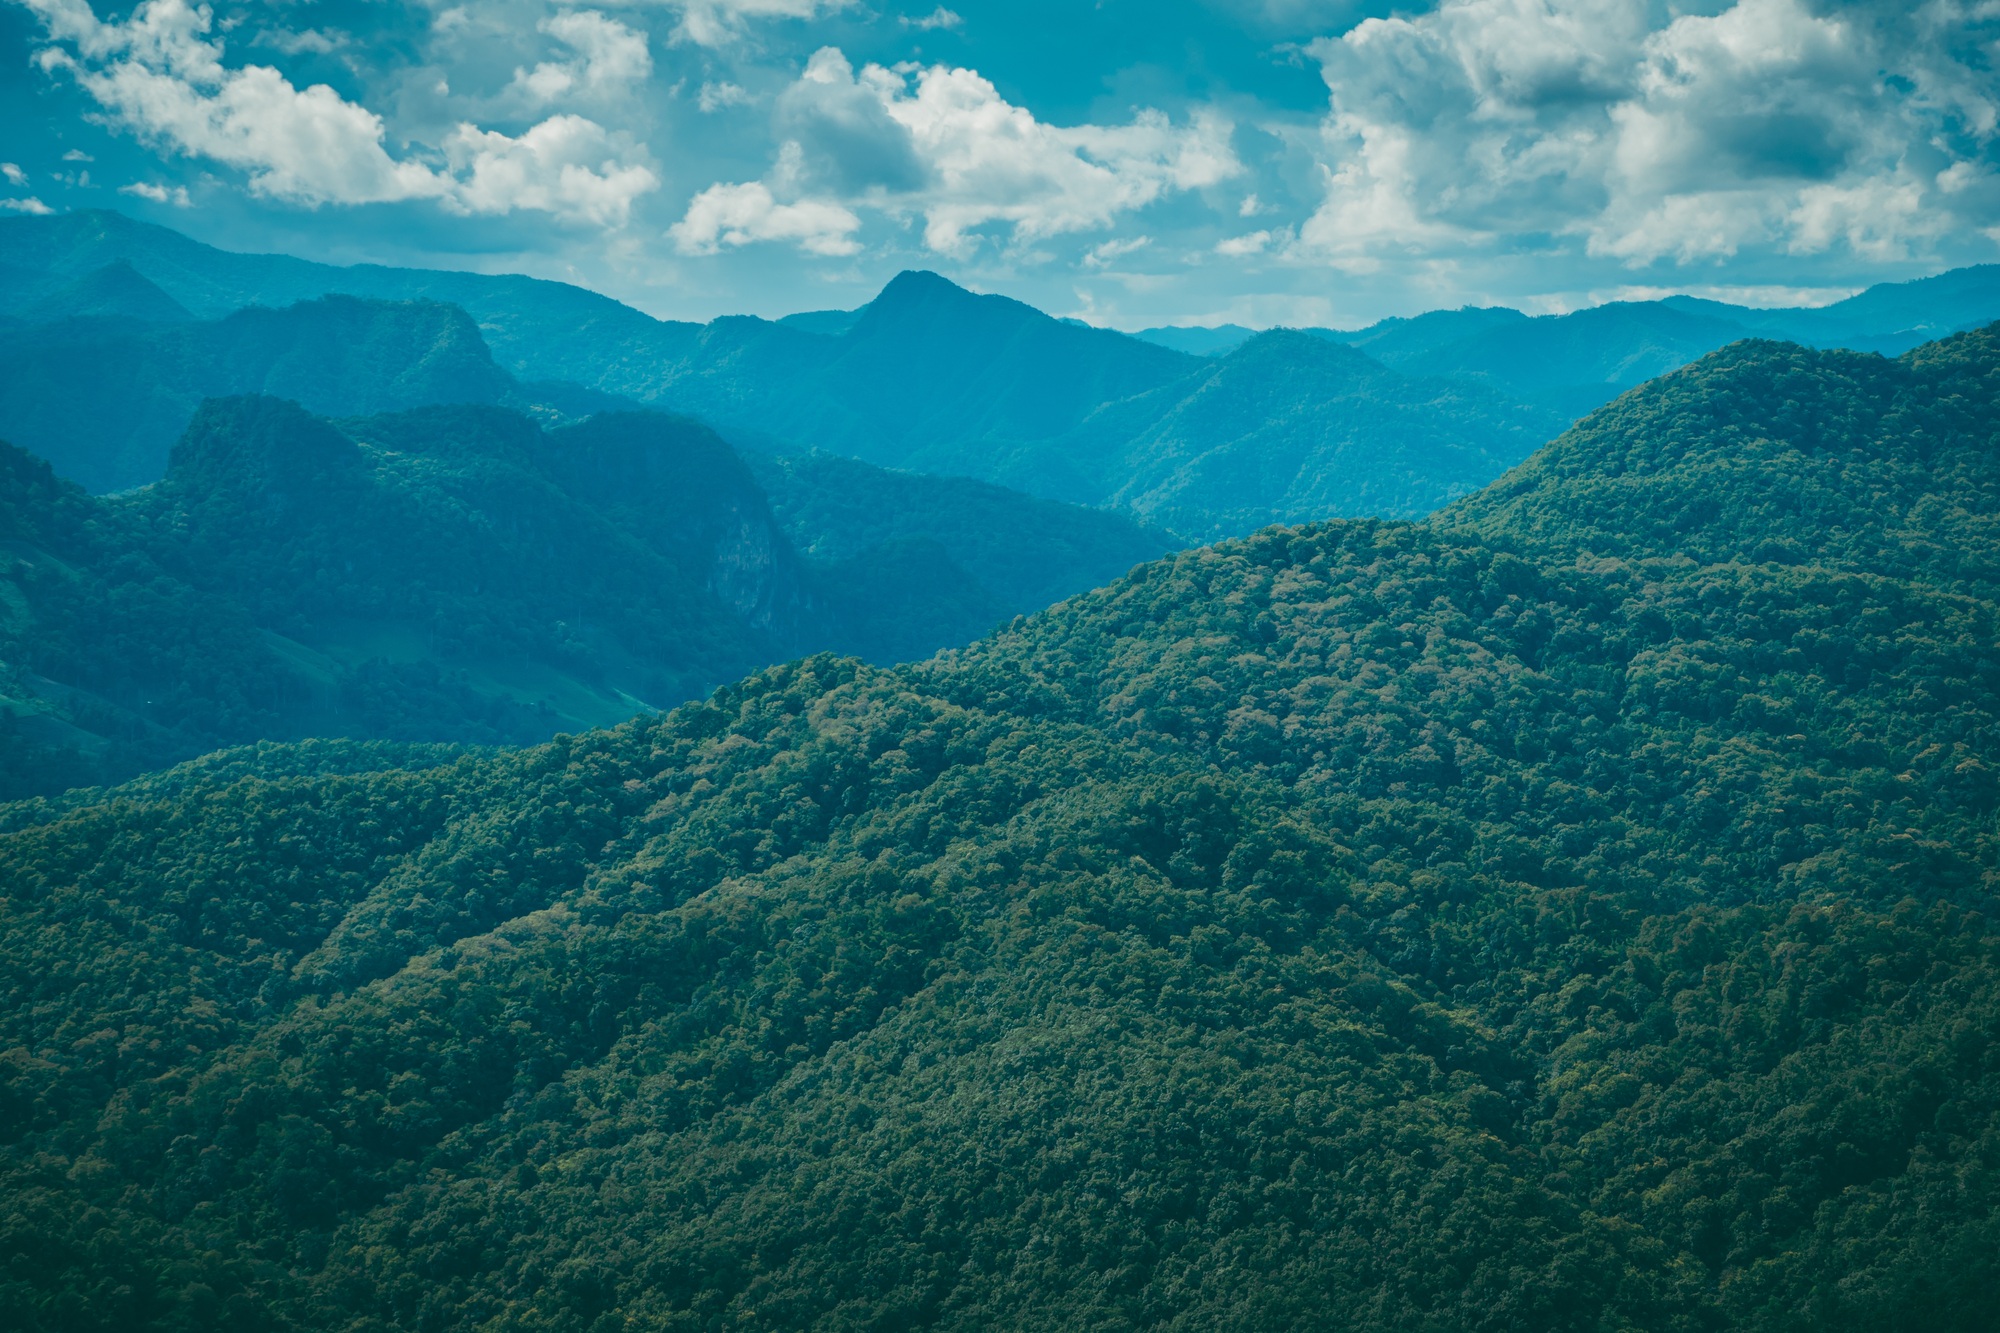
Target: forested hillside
(1573, 912)
(461, 573)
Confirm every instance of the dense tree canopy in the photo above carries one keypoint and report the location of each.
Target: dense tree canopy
(1572, 913)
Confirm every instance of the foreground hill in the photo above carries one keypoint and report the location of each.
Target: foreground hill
(459, 572)
(1571, 913)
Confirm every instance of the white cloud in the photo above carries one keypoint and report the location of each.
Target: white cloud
(939, 18)
(1255, 243)
(720, 22)
(566, 165)
(610, 58)
(1553, 123)
(715, 96)
(735, 215)
(312, 41)
(1109, 252)
(941, 143)
(29, 205)
(157, 74)
(160, 75)
(77, 155)
(159, 194)
(12, 171)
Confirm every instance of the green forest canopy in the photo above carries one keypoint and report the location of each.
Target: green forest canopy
(1573, 912)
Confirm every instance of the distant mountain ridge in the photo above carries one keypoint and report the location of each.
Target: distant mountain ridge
(927, 378)
(1578, 361)
(931, 378)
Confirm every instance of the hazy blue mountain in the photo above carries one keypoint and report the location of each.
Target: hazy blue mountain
(928, 377)
(1572, 362)
(1022, 552)
(1197, 340)
(1889, 318)
(462, 573)
(831, 322)
(1396, 341)
(104, 399)
(1575, 362)
(115, 291)
(1290, 427)
(445, 573)
(932, 378)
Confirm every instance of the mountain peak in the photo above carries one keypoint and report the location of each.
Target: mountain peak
(117, 290)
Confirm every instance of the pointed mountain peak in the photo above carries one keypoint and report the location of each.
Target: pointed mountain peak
(268, 446)
(116, 290)
(920, 297)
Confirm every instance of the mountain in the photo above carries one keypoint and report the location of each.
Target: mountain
(1022, 552)
(115, 291)
(104, 399)
(446, 573)
(1198, 340)
(462, 573)
(1458, 924)
(1578, 361)
(1290, 427)
(936, 379)
(927, 377)
(1572, 362)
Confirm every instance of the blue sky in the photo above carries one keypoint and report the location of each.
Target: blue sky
(1132, 162)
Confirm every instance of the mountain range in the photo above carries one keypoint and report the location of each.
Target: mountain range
(927, 378)
(459, 572)
(1581, 360)
(1570, 912)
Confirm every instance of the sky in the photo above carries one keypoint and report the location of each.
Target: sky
(1128, 162)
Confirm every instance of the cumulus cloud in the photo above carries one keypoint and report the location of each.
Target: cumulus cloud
(941, 143)
(609, 58)
(1253, 243)
(29, 205)
(1769, 124)
(161, 75)
(566, 165)
(12, 171)
(937, 19)
(734, 215)
(160, 194)
(714, 97)
(720, 22)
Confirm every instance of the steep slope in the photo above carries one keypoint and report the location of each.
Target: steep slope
(116, 291)
(1361, 926)
(1871, 466)
(463, 573)
(442, 573)
(104, 400)
(1288, 428)
(1022, 552)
